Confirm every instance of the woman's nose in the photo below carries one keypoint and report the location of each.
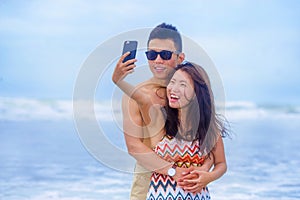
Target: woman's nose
(174, 88)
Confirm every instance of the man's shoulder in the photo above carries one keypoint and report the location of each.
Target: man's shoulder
(146, 84)
(149, 85)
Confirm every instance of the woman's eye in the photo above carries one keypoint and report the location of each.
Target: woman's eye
(183, 85)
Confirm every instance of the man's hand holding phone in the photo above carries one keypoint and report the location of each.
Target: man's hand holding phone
(125, 64)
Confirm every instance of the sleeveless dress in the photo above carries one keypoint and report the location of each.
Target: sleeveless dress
(184, 154)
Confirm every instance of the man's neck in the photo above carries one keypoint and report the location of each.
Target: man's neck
(161, 82)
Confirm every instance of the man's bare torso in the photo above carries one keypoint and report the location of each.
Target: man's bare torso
(150, 111)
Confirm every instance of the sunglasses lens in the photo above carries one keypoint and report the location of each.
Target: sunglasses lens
(151, 55)
(166, 55)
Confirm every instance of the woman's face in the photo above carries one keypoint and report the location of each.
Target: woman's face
(180, 90)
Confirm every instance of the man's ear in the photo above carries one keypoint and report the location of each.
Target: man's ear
(181, 57)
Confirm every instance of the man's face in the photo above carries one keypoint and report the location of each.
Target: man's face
(160, 68)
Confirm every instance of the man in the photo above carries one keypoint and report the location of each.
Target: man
(144, 126)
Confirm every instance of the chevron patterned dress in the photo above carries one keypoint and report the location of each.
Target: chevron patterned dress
(184, 154)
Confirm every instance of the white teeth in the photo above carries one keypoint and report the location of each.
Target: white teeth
(159, 68)
(174, 96)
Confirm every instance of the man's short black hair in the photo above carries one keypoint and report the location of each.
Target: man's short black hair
(166, 31)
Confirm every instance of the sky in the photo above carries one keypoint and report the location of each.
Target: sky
(254, 44)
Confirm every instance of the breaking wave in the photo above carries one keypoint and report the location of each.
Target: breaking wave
(22, 109)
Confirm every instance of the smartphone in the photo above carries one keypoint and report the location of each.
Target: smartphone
(131, 46)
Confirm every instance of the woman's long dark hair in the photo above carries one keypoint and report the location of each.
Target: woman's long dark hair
(205, 125)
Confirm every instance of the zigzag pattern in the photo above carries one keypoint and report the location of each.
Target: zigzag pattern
(179, 151)
(162, 182)
(185, 154)
(179, 194)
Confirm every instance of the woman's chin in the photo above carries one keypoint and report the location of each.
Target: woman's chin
(174, 104)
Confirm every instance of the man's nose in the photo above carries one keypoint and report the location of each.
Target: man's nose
(158, 59)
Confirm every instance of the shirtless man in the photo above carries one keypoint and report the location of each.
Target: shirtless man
(144, 126)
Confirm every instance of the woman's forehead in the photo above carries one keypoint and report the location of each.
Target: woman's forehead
(180, 75)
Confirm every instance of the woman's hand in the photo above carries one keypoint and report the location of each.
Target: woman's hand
(123, 69)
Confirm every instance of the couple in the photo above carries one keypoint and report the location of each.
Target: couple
(170, 124)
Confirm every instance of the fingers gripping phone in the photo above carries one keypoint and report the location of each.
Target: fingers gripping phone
(129, 46)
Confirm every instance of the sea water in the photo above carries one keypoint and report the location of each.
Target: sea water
(43, 157)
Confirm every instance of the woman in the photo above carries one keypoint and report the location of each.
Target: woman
(192, 134)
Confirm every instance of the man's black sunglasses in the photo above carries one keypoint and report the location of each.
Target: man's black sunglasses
(164, 54)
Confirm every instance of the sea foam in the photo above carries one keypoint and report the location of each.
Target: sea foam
(23, 109)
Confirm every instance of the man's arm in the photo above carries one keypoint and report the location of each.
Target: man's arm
(120, 72)
(133, 133)
(207, 165)
(133, 121)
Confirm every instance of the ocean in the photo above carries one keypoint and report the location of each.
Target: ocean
(42, 155)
